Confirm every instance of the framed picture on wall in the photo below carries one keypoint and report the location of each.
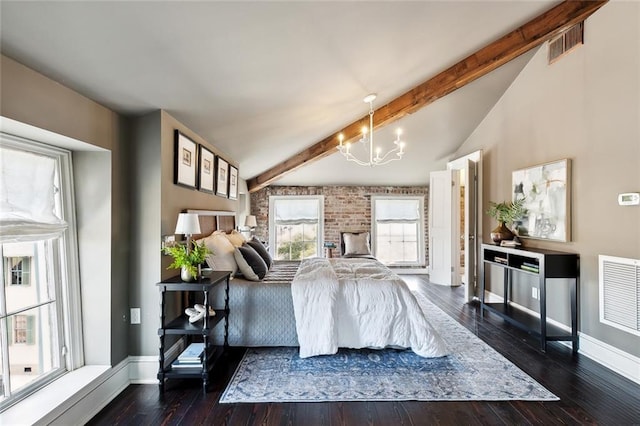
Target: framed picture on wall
(233, 183)
(546, 190)
(185, 161)
(222, 177)
(206, 170)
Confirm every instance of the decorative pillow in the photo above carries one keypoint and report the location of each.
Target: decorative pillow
(221, 257)
(250, 263)
(262, 251)
(236, 238)
(356, 244)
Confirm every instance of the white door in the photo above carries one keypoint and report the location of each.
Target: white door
(444, 233)
(470, 217)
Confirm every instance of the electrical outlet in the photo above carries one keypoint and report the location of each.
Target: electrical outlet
(135, 315)
(534, 292)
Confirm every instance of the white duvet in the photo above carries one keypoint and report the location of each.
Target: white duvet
(358, 303)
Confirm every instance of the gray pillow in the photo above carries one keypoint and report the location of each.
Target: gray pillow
(262, 251)
(356, 244)
(250, 263)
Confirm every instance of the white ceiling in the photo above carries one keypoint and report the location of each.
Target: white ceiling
(263, 80)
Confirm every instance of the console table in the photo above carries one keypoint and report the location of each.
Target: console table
(202, 328)
(543, 264)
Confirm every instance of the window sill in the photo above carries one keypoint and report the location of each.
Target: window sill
(58, 395)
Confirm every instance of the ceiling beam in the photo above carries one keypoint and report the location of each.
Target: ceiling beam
(528, 36)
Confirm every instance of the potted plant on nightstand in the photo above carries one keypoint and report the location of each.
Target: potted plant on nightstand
(505, 212)
(187, 259)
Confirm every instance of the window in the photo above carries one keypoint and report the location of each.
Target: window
(39, 267)
(18, 269)
(295, 226)
(398, 236)
(23, 329)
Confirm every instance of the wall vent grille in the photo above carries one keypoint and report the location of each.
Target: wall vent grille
(565, 42)
(620, 293)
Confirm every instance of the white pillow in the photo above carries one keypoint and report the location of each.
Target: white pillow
(222, 257)
(356, 244)
(236, 238)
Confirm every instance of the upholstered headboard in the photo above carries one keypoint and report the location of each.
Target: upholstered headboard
(214, 220)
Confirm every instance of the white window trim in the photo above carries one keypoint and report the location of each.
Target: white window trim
(272, 225)
(73, 356)
(421, 242)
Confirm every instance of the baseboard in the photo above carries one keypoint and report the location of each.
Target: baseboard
(143, 370)
(614, 359)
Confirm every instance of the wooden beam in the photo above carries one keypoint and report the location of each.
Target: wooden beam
(478, 64)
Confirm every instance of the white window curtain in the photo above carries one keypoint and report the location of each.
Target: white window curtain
(27, 197)
(397, 211)
(296, 211)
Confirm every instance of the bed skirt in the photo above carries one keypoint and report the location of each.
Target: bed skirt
(260, 313)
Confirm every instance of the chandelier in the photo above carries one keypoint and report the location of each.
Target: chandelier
(377, 160)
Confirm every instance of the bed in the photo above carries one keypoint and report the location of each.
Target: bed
(322, 304)
(261, 313)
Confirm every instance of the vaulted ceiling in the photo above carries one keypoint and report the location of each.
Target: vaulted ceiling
(264, 80)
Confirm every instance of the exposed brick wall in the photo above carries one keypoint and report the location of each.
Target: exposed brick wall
(346, 208)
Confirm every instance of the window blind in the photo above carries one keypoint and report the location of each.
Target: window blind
(296, 212)
(397, 211)
(27, 197)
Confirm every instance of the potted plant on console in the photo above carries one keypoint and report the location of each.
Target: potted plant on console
(188, 258)
(505, 212)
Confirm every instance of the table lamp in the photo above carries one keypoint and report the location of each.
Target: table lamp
(250, 222)
(188, 225)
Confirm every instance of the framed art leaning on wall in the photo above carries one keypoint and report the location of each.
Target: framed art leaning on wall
(546, 190)
(185, 161)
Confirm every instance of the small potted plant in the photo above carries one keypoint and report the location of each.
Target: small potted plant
(505, 212)
(187, 259)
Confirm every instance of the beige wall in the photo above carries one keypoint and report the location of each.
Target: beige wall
(30, 97)
(585, 107)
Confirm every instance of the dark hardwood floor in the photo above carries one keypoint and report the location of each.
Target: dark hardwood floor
(589, 393)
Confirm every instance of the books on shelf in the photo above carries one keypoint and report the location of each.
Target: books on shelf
(502, 260)
(180, 365)
(192, 354)
(530, 268)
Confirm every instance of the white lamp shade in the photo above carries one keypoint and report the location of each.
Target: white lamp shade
(250, 221)
(188, 224)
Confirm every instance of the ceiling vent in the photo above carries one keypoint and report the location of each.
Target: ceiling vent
(565, 42)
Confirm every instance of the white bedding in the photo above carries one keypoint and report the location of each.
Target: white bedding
(357, 303)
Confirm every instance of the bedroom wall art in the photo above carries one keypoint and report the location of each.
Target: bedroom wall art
(233, 183)
(546, 189)
(206, 170)
(222, 180)
(185, 160)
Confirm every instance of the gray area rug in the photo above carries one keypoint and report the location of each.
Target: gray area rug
(472, 371)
